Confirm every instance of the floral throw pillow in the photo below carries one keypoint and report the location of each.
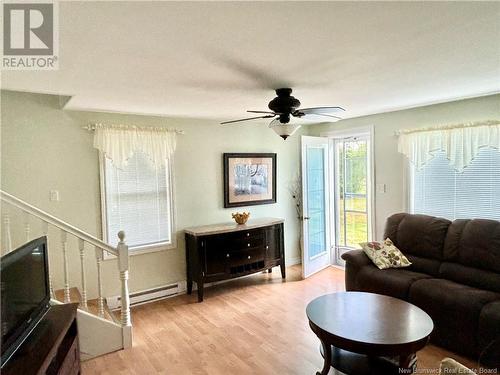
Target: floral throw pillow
(385, 254)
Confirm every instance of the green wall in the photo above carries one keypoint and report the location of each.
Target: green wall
(390, 165)
(45, 148)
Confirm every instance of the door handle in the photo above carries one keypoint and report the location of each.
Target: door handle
(306, 218)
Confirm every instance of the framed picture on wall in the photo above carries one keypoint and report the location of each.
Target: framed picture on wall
(249, 179)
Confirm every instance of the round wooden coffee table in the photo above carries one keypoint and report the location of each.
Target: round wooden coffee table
(366, 333)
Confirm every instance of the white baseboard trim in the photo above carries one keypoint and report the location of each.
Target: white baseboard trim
(149, 295)
(158, 293)
(338, 267)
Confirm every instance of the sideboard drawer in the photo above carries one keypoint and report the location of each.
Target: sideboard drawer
(218, 243)
(245, 243)
(251, 255)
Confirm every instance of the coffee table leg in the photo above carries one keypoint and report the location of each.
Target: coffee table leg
(327, 351)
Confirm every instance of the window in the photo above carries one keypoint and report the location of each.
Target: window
(437, 189)
(316, 200)
(352, 191)
(138, 200)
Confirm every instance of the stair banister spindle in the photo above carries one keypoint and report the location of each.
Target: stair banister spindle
(125, 299)
(26, 219)
(64, 244)
(100, 299)
(7, 235)
(81, 248)
(45, 231)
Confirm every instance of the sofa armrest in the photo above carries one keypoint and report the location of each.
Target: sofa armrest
(357, 258)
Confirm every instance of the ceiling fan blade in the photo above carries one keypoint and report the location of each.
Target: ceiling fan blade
(246, 119)
(321, 110)
(261, 76)
(274, 113)
(320, 114)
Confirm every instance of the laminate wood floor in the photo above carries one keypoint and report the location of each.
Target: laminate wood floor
(254, 325)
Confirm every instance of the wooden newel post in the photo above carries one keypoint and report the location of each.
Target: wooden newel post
(125, 299)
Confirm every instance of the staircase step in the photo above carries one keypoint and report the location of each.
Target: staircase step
(92, 305)
(74, 295)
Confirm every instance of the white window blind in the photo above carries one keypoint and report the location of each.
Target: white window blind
(138, 201)
(437, 189)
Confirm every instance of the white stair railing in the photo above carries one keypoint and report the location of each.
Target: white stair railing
(64, 244)
(81, 248)
(120, 251)
(7, 240)
(100, 299)
(125, 295)
(27, 226)
(45, 231)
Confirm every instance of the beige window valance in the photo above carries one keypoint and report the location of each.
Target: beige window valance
(120, 142)
(461, 142)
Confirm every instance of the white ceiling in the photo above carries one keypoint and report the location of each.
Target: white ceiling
(218, 59)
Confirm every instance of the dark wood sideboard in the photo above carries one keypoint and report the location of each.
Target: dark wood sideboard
(225, 251)
(51, 348)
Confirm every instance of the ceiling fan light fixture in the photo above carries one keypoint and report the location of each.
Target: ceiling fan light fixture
(288, 114)
(284, 130)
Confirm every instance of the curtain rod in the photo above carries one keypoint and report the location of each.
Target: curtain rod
(92, 127)
(444, 127)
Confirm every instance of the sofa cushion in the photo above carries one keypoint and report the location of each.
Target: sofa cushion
(419, 235)
(424, 265)
(475, 277)
(474, 243)
(455, 310)
(391, 282)
(489, 324)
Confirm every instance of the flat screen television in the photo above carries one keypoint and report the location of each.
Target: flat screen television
(25, 293)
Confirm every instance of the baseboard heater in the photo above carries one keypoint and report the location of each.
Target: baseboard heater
(149, 295)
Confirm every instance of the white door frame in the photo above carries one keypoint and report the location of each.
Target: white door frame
(362, 131)
(322, 260)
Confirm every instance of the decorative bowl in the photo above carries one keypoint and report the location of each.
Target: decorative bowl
(241, 218)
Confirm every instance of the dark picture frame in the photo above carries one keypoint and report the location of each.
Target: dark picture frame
(258, 188)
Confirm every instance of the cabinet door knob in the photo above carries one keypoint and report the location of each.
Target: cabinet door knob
(248, 234)
(227, 255)
(248, 244)
(267, 247)
(249, 257)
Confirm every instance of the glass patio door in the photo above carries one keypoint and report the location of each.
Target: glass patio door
(315, 205)
(352, 198)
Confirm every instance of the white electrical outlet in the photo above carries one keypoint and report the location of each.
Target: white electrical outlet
(54, 195)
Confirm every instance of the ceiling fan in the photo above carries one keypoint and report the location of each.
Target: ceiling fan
(283, 107)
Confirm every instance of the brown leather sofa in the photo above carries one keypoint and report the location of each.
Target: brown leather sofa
(454, 277)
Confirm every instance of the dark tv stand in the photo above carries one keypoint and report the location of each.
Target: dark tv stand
(51, 348)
